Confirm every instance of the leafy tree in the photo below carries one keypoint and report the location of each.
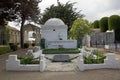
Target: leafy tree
(28, 11)
(8, 10)
(103, 24)
(96, 24)
(80, 28)
(65, 12)
(25, 10)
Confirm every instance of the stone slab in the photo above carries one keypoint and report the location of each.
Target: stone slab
(61, 58)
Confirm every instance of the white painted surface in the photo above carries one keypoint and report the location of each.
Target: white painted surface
(50, 35)
(110, 62)
(37, 54)
(13, 64)
(62, 44)
(54, 31)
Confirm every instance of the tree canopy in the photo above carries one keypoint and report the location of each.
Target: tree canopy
(21, 10)
(65, 12)
(8, 9)
(80, 28)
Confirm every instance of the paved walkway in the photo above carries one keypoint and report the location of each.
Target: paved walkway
(102, 74)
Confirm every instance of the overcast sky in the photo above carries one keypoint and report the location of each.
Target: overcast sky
(92, 9)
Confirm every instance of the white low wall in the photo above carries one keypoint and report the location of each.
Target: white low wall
(62, 44)
(13, 64)
(110, 62)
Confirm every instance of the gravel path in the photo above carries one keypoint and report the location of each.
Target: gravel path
(102, 74)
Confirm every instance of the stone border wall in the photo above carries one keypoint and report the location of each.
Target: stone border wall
(110, 62)
(13, 64)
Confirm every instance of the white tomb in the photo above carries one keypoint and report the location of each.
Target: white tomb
(54, 31)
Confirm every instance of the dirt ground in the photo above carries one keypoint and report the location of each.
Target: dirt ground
(102, 74)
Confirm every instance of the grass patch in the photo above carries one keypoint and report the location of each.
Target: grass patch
(56, 51)
(4, 49)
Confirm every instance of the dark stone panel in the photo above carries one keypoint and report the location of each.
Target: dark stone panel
(61, 58)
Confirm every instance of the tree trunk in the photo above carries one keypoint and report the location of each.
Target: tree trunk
(22, 34)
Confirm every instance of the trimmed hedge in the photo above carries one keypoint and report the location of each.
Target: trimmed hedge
(117, 35)
(96, 24)
(64, 51)
(103, 24)
(114, 22)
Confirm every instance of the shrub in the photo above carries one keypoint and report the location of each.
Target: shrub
(13, 46)
(26, 45)
(117, 35)
(114, 22)
(103, 24)
(28, 59)
(4, 49)
(96, 24)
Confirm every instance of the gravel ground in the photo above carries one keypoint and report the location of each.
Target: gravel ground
(102, 74)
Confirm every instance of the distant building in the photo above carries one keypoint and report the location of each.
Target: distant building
(9, 35)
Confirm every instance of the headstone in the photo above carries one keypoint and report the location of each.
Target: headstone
(61, 58)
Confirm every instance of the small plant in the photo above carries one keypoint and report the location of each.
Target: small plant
(96, 57)
(28, 59)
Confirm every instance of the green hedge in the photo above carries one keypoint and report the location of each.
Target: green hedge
(4, 49)
(103, 24)
(114, 22)
(96, 24)
(117, 35)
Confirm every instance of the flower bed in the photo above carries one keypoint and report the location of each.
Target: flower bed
(97, 60)
(28, 59)
(14, 64)
(96, 57)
